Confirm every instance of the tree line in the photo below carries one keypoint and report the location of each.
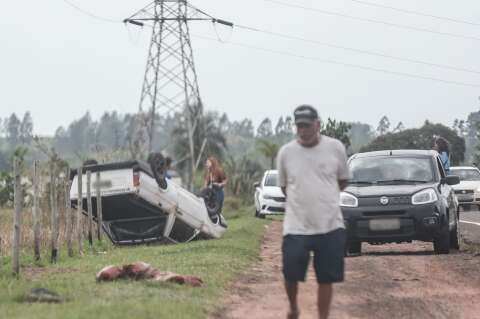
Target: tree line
(244, 149)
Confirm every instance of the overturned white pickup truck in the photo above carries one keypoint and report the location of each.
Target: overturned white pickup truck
(140, 205)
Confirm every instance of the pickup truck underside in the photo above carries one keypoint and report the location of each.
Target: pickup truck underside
(137, 209)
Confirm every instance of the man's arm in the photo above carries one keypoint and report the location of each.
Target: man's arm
(282, 173)
(343, 172)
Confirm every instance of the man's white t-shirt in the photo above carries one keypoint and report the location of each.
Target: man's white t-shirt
(311, 175)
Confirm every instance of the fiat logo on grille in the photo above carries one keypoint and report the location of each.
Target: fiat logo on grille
(384, 200)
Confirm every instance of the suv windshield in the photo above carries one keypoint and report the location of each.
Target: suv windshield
(271, 180)
(384, 169)
(466, 174)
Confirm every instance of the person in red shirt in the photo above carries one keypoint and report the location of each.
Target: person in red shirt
(215, 177)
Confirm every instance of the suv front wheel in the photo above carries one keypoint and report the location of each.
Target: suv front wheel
(441, 242)
(455, 236)
(353, 248)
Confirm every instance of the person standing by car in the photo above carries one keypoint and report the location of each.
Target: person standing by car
(312, 171)
(442, 147)
(215, 178)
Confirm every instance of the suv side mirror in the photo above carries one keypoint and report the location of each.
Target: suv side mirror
(256, 184)
(451, 180)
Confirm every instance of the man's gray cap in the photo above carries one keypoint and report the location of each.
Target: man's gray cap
(305, 114)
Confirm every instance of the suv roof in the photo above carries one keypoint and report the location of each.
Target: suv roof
(423, 153)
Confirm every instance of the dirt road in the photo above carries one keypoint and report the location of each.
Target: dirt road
(388, 281)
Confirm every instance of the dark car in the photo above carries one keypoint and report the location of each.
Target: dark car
(400, 196)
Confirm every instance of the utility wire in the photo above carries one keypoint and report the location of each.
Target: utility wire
(94, 16)
(358, 66)
(428, 15)
(390, 24)
(349, 65)
(367, 52)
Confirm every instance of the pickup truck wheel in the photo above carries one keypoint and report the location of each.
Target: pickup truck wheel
(211, 201)
(441, 242)
(158, 166)
(262, 216)
(354, 248)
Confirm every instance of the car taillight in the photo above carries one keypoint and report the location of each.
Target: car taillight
(136, 179)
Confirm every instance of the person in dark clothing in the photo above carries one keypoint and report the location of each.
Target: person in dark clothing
(443, 148)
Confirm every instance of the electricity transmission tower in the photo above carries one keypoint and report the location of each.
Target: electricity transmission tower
(170, 83)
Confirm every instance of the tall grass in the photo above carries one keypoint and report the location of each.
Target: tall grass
(6, 229)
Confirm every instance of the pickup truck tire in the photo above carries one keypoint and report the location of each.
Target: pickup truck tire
(212, 201)
(158, 166)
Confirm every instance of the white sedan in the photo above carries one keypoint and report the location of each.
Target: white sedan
(269, 198)
(468, 191)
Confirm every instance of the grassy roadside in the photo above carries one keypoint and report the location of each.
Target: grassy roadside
(217, 262)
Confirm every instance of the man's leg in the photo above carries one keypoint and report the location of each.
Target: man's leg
(295, 259)
(292, 292)
(329, 267)
(324, 300)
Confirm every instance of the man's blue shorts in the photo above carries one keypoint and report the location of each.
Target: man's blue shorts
(328, 253)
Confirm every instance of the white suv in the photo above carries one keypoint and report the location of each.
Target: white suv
(269, 198)
(468, 191)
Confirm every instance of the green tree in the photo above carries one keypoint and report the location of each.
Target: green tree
(360, 134)
(208, 140)
(26, 128)
(383, 126)
(468, 129)
(337, 129)
(269, 150)
(422, 138)
(265, 129)
(6, 188)
(242, 173)
(110, 131)
(284, 130)
(400, 127)
(13, 130)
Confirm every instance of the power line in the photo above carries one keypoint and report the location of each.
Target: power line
(390, 24)
(349, 65)
(416, 13)
(367, 52)
(88, 13)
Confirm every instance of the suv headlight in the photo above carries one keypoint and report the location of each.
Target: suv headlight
(348, 200)
(425, 197)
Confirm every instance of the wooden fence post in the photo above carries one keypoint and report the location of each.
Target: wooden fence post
(99, 206)
(18, 203)
(79, 210)
(89, 208)
(54, 211)
(35, 215)
(69, 216)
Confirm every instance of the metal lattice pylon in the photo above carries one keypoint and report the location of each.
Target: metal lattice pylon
(170, 83)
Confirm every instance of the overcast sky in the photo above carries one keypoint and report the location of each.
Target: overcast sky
(58, 63)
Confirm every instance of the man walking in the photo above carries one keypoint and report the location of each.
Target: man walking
(312, 172)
